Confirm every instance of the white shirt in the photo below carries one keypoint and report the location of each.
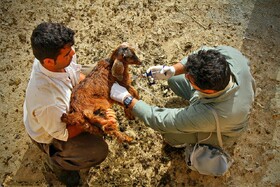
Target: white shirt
(47, 98)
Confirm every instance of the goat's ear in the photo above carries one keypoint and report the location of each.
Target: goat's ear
(118, 69)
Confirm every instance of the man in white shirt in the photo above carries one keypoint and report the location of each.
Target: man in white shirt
(54, 74)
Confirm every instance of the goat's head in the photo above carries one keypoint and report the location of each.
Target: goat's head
(125, 53)
(123, 56)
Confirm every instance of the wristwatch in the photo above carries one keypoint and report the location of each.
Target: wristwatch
(127, 101)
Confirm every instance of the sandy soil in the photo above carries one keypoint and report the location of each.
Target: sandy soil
(163, 33)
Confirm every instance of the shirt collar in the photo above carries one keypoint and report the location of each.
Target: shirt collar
(216, 97)
(58, 75)
(204, 95)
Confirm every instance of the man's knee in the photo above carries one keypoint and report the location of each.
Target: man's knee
(96, 149)
(173, 84)
(102, 152)
(83, 151)
(180, 86)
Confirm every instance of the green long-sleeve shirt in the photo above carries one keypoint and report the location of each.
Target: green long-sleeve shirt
(232, 106)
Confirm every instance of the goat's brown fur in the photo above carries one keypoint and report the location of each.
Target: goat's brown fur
(90, 99)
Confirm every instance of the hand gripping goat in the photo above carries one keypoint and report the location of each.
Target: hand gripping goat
(90, 99)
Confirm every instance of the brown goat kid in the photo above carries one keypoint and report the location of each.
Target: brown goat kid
(90, 99)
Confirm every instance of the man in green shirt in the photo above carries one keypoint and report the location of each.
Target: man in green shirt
(216, 78)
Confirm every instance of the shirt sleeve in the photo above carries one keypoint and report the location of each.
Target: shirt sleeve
(176, 120)
(49, 118)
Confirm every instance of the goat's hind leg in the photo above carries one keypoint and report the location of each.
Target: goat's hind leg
(105, 123)
(111, 116)
(109, 125)
(78, 119)
(75, 118)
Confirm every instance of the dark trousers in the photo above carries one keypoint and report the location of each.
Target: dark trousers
(81, 152)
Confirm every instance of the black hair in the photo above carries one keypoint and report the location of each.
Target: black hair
(209, 69)
(48, 39)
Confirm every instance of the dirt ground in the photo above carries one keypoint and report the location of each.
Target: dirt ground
(163, 32)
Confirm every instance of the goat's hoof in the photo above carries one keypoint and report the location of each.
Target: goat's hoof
(130, 117)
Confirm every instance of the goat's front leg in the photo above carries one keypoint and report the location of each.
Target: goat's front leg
(133, 91)
(128, 113)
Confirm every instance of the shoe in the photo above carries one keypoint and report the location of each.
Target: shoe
(168, 149)
(67, 177)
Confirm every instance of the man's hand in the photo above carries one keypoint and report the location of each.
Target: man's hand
(82, 77)
(118, 93)
(74, 130)
(161, 72)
